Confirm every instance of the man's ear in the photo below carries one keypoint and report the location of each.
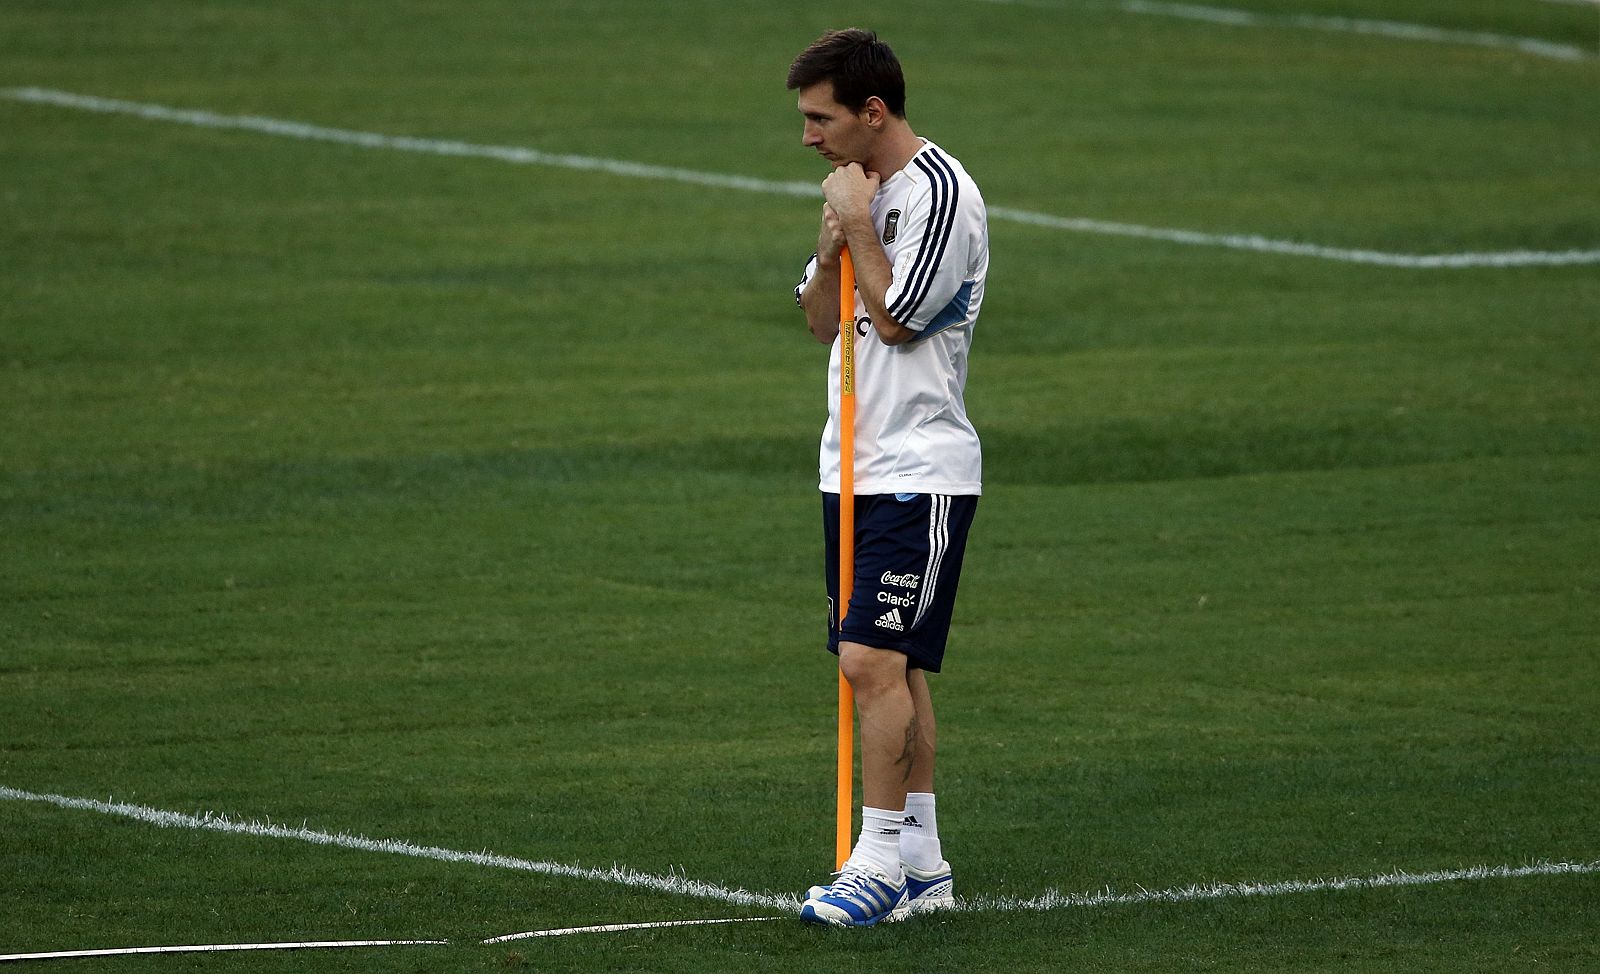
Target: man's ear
(875, 110)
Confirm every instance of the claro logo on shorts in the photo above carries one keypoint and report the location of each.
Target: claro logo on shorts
(904, 581)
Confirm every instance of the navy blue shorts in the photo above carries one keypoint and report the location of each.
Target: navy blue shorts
(908, 561)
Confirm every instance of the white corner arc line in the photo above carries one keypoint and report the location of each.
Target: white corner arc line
(212, 822)
(213, 948)
(617, 167)
(621, 927)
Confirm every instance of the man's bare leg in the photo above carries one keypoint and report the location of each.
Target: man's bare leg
(898, 741)
(889, 729)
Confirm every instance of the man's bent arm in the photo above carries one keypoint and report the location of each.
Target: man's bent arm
(849, 191)
(873, 277)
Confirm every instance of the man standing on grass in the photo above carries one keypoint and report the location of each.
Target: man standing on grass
(918, 236)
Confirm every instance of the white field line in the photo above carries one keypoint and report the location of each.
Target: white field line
(213, 822)
(47, 955)
(213, 948)
(1396, 29)
(621, 927)
(1234, 241)
(617, 167)
(371, 140)
(683, 886)
(1053, 900)
(1355, 25)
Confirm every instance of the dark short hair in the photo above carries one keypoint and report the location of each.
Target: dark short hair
(858, 64)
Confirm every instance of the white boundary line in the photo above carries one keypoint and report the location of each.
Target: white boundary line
(1355, 25)
(683, 886)
(1054, 900)
(1399, 30)
(212, 822)
(212, 948)
(372, 140)
(1509, 258)
(523, 156)
(620, 927)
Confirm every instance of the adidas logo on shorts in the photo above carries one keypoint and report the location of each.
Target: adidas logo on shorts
(891, 620)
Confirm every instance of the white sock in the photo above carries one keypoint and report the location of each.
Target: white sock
(879, 844)
(919, 833)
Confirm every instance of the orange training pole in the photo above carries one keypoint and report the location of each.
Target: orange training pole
(847, 544)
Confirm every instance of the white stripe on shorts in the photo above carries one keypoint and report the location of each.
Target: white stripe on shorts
(938, 540)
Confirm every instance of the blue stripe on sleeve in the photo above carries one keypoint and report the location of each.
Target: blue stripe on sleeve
(941, 222)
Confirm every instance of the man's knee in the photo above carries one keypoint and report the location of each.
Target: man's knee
(872, 671)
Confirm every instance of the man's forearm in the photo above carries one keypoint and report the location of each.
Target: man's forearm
(873, 277)
(820, 301)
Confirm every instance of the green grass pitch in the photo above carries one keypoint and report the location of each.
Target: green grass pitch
(473, 504)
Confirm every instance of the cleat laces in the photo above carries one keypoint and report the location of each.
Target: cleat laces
(859, 886)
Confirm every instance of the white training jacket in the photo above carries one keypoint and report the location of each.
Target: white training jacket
(912, 430)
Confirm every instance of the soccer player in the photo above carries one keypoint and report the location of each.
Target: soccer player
(918, 236)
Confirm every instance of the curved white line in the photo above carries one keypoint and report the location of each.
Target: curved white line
(212, 822)
(1054, 900)
(620, 927)
(212, 948)
(681, 885)
(617, 167)
(1397, 29)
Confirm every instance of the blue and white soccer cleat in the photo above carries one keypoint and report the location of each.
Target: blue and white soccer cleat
(860, 897)
(930, 889)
